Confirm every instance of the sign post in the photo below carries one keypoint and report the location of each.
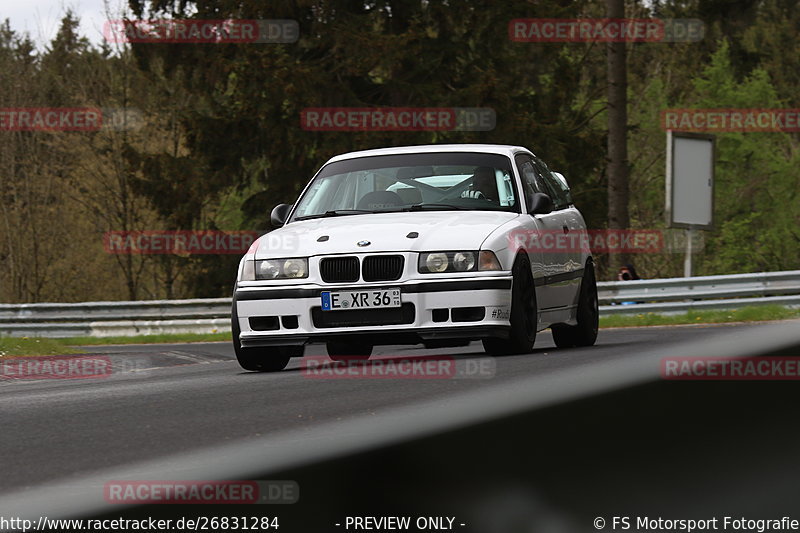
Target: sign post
(690, 186)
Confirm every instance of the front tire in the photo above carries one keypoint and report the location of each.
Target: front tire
(270, 359)
(585, 332)
(523, 314)
(267, 359)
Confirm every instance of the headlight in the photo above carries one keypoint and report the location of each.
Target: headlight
(293, 268)
(437, 262)
(268, 269)
(464, 261)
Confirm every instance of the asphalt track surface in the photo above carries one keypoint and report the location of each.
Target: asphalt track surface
(168, 399)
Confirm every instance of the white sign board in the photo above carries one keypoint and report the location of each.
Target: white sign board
(690, 180)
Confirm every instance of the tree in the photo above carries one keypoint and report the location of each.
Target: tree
(617, 169)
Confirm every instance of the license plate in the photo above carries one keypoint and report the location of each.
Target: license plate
(346, 300)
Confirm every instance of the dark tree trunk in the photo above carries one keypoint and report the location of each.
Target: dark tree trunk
(617, 168)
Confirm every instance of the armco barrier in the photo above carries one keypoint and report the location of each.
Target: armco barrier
(211, 315)
(678, 295)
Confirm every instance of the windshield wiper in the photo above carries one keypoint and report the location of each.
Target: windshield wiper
(421, 207)
(335, 213)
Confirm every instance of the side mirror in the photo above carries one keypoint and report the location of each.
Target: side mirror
(541, 204)
(279, 215)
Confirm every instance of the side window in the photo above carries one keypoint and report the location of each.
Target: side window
(531, 181)
(555, 188)
(561, 185)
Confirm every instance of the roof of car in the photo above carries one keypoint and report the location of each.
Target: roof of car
(503, 149)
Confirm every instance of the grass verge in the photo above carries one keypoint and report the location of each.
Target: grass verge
(32, 346)
(755, 313)
(149, 339)
(28, 346)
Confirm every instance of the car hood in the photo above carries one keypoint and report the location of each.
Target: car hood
(437, 230)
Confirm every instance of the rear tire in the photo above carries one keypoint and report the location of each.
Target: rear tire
(267, 359)
(585, 332)
(523, 314)
(343, 351)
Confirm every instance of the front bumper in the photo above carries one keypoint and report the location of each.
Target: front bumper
(462, 308)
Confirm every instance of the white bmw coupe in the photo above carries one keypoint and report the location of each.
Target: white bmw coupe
(439, 245)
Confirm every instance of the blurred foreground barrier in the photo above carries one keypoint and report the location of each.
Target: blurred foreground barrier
(558, 452)
(212, 315)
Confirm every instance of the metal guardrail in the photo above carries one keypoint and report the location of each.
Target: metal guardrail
(679, 295)
(108, 319)
(212, 315)
(702, 287)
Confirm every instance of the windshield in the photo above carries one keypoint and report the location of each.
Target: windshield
(447, 181)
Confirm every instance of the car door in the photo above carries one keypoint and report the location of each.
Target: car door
(574, 231)
(540, 238)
